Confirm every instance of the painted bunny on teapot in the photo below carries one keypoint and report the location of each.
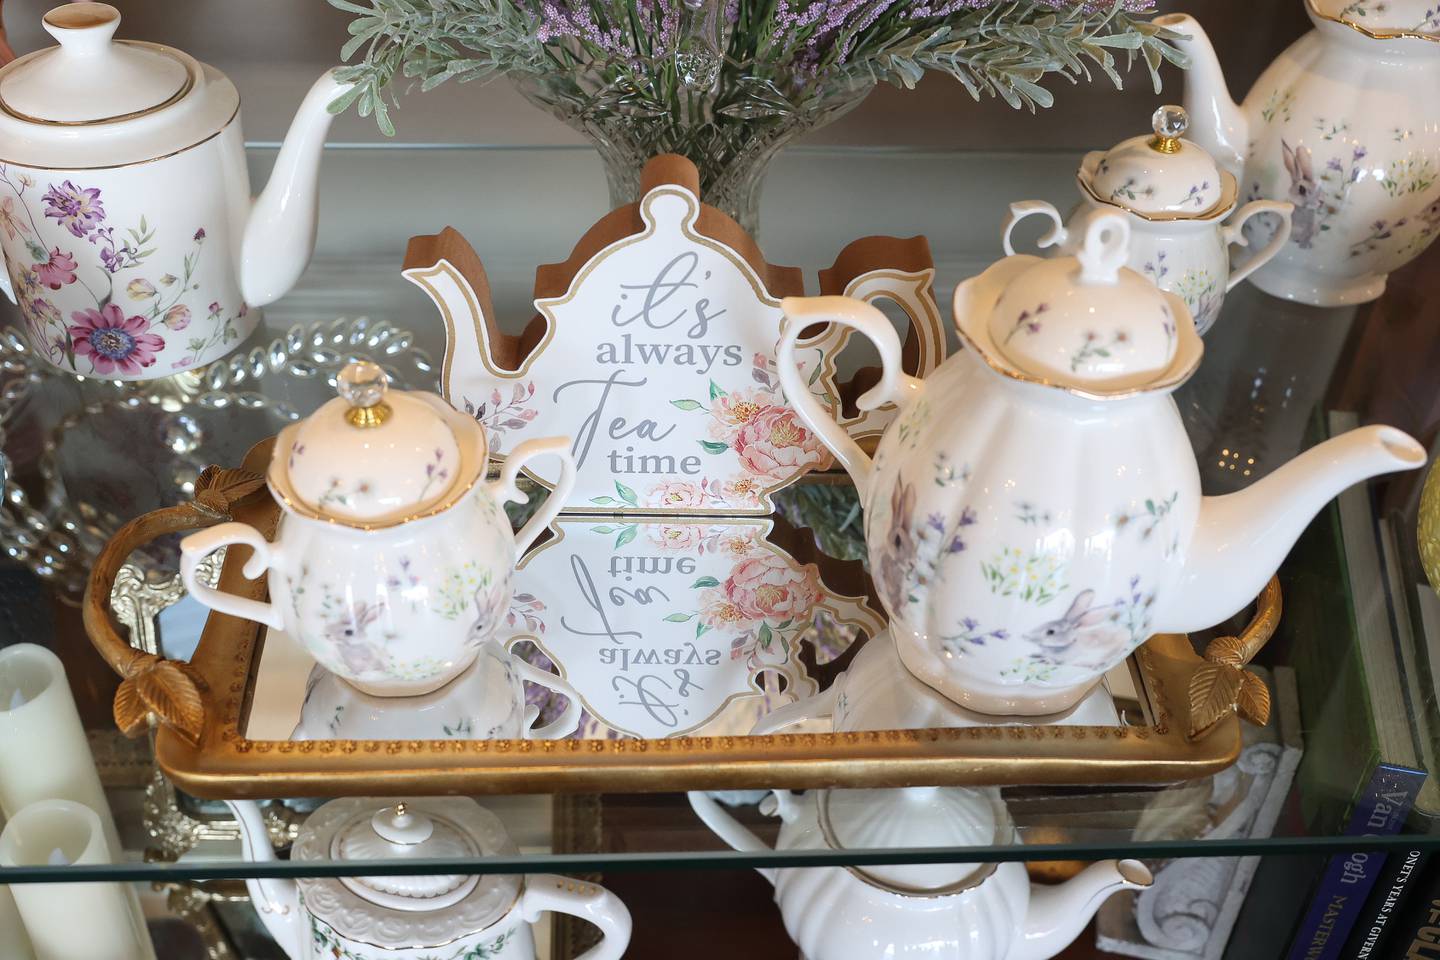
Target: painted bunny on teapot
(1034, 514)
(1345, 125)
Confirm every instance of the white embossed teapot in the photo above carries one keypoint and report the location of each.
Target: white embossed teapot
(392, 561)
(945, 911)
(1182, 213)
(446, 917)
(1034, 513)
(132, 246)
(1345, 124)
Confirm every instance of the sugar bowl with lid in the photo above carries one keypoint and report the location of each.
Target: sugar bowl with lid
(440, 917)
(1181, 210)
(392, 560)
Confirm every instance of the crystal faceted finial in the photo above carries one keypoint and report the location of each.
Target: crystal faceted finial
(363, 385)
(1169, 123)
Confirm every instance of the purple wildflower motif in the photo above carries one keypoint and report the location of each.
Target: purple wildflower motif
(77, 209)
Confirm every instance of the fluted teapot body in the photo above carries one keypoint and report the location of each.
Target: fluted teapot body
(1035, 512)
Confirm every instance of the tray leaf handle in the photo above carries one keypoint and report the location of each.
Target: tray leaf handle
(153, 689)
(1222, 685)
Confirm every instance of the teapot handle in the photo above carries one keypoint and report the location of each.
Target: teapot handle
(569, 720)
(895, 386)
(505, 488)
(198, 546)
(819, 707)
(727, 828)
(1024, 208)
(1233, 234)
(588, 901)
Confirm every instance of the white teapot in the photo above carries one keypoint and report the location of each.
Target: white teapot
(1034, 514)
(132, 246)
(1345, 124)
(392, 562)
(945, 911)
(486, 702)
(447, 917)
(1182, 214)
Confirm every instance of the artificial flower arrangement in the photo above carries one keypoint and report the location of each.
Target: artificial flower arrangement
(728, 82)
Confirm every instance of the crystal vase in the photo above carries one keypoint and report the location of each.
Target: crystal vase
(729, 122)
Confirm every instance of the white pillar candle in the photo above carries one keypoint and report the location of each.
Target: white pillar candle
(14, 944)
(71, 921)
(43, 751)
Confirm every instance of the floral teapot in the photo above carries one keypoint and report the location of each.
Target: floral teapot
(1034, 513)
(1180, 206)
(1345, 125)
(946, 911)
(132, 246)
(446, 917)
(391, 563)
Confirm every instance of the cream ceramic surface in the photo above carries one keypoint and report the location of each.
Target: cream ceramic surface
(486, 702)
(445, 917)
(876, 692)
(1025, 548)
(1182, 246)
(1156, 174)
(1346, 126)
(131, 244)
(397, 604)
(946, 911)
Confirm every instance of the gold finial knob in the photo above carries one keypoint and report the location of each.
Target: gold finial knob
(1169, 123)
(363, 385)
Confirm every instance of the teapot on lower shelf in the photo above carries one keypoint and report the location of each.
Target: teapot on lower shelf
(446, 917)
(1034, 513)
(947, 911)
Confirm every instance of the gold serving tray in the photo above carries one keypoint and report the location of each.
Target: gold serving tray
(1190, 729)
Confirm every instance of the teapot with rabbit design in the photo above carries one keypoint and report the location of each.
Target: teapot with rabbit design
(1345, 125)
(1034, 513)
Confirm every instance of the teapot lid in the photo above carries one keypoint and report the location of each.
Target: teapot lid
(96, 102)
(91, 77)
(1159, 175)
(1086, 324)
(917, 817)
(406, 911)
(375, 457)
(1419, 19)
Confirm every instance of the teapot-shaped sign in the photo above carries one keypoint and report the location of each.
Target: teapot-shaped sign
(1346, 126)
(654, 349)
(1025, 548)
(131, 244)
(660, 625)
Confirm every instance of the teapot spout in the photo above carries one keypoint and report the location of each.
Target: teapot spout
(276, 901)
(1241, 538)
(1058, 913)
(1216, 122)
(280, 232)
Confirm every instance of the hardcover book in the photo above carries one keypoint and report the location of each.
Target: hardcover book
(1349, 877)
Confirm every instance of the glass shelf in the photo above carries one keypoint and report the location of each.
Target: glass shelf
(88, 455)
